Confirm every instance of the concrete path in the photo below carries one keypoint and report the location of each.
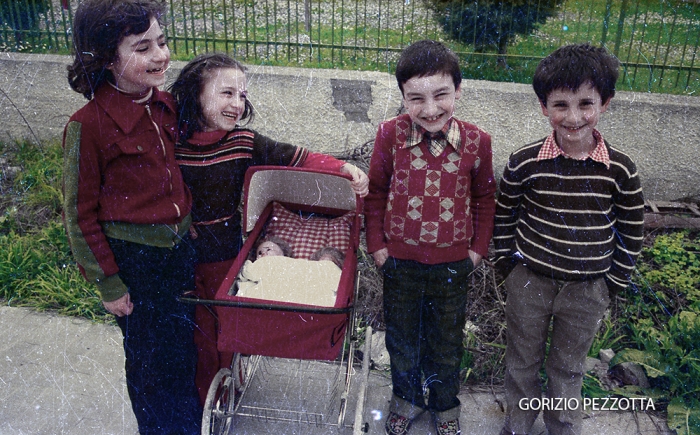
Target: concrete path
(61, 375)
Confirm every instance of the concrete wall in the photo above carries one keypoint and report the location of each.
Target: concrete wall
(334, 111)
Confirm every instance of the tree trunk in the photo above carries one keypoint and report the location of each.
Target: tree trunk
(502, 51)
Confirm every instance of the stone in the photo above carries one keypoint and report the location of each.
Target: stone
(629, 373)
(606, 355)
(379, 354)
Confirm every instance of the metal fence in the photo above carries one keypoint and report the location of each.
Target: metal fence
(656, 40)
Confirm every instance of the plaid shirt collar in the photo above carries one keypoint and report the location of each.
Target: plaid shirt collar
(550, 150)
(438, 141)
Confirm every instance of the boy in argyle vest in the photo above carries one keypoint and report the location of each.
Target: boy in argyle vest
(429, 217)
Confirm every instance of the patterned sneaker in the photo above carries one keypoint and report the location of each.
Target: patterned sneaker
(448, 427)
(397, 424)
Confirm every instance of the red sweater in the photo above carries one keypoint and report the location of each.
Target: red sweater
(121, 180)
(426, 208)
(213, 165)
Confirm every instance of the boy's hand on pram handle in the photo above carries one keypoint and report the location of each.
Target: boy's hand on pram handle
(380, 256)
(120, 307)
(360, 181)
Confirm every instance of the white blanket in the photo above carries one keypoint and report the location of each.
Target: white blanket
(287, 279)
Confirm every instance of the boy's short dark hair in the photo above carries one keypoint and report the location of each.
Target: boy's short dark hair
(427, 58)
(571, 66)
(99, 26)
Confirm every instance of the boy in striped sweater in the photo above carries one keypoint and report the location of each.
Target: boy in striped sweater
(569, 228)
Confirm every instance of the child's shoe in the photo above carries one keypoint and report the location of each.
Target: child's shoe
(448, 427)
(397, 424)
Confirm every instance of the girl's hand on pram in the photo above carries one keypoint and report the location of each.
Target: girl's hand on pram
(360, 181)
(120, 307)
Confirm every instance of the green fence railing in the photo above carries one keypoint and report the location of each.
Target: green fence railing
(657, 41)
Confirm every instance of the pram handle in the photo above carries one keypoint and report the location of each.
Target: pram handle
(271, 307)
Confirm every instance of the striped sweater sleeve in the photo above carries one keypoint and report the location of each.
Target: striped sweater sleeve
(271, 152)
(506, 219)
(628, 208)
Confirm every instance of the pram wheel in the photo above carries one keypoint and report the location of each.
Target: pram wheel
(219, 405)
(225, 394)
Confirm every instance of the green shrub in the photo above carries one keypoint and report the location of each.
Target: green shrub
(663, 327)
(671, 359)
(493, 24)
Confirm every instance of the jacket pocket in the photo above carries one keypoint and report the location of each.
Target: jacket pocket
(133, 146)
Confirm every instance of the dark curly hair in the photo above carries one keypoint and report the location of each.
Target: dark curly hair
(99, 27)
(337, 256)
(187, 90)
(570, 66)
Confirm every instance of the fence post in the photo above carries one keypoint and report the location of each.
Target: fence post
(606, 22)
(620, 25)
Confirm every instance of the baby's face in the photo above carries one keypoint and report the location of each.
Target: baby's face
(268, 249)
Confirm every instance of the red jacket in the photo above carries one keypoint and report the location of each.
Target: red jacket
(426, 208)
(121, 180)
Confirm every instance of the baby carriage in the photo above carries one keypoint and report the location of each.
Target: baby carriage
(275, 337)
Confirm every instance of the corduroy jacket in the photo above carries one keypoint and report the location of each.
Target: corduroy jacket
(121, 180)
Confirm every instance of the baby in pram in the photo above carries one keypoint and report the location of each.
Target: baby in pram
(276, 246)
(274, 275)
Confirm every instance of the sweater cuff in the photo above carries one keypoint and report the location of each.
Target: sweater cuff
(111, 288)
(505, 265)
(614, 287)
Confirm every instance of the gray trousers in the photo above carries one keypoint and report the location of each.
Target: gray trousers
(575, 309)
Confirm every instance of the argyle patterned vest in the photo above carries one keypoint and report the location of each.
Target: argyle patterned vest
(429, 201)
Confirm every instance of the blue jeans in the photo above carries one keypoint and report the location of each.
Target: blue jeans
(159, 337)
(425, 312)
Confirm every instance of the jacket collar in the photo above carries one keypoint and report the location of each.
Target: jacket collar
(122, 108)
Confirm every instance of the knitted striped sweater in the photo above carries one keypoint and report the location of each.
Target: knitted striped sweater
(570, 219)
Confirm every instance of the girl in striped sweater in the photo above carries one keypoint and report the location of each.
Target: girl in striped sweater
(214, 152)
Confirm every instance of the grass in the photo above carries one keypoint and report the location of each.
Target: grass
(656, 34)
(658, 41)
(36, 266)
